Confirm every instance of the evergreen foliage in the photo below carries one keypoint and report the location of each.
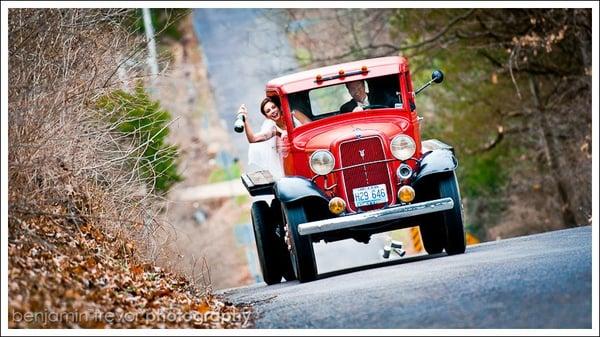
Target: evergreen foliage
(146, 125)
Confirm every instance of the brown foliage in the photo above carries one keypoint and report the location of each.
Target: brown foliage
(62, 275)
(60, 153)
(82, 226)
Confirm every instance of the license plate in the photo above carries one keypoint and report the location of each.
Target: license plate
(370, 195)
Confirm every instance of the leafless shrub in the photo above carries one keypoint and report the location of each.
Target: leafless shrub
(65, 160)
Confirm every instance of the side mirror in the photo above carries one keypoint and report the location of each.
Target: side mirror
(437, 76)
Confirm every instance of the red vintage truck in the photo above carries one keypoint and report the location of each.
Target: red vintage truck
(353, 173)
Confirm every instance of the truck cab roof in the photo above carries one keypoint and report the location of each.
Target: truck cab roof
(337, 74)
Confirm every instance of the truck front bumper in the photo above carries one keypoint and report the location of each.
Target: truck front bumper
(371, 217)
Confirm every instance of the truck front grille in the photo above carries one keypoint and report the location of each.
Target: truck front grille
(364, 151)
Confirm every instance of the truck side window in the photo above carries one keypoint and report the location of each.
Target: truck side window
(384, 90)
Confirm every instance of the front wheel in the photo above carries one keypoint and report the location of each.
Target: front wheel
(431, 227)
(302, 254)
(266, 242)
(283, 255)
(453, 219)
(432, 234)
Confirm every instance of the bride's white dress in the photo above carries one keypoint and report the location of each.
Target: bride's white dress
(264, 155)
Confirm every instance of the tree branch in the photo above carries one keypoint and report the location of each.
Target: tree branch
(490, 145)
(440, 33)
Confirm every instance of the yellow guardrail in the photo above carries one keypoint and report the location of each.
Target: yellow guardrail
(417, 243)
(415, 235)
(472, 239)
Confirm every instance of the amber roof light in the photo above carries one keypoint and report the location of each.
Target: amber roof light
(342, 74)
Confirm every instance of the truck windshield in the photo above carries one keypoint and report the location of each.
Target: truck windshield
(323, 102)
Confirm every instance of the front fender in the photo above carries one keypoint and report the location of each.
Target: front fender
(290, 189)
(436, 161)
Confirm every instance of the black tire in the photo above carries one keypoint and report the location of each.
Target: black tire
(266, 242)
(302, 254)
(284, 257)
(433, 234)
(433, 231)
(453, 219)
(288, 269)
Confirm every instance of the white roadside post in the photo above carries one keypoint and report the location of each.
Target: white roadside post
(151, 44)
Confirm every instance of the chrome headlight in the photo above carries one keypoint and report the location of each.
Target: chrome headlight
(403, 147)
(321, 162)
(404, 172)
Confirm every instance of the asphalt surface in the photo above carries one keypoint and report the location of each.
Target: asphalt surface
(538, 281)
(243, 49)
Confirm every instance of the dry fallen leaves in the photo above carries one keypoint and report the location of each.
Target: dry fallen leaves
(67, 276)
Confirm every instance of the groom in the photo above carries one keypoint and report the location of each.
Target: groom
(362, 98)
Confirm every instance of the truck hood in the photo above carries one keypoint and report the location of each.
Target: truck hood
(322, 134)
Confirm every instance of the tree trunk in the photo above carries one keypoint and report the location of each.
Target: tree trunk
(549, 148)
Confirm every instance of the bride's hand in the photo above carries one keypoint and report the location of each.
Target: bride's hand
(242, 110)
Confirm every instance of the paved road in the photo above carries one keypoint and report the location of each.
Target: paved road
(537, 281)
(243, 48)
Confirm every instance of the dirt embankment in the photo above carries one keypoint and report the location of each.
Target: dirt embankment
(84, 231)
(199, 230)
(69, 274)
